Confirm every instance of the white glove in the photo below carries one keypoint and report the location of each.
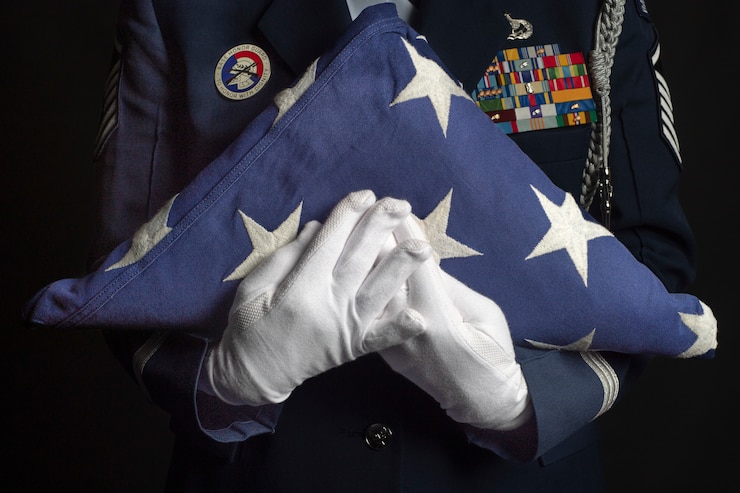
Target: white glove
(465, 358)
(318, 302)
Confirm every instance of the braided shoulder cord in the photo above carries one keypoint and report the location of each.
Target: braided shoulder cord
(596, 174)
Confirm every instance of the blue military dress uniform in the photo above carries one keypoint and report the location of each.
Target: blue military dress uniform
(362, 427)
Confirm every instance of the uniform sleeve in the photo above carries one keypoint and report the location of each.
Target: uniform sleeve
(645, 157)
(129, 127)
(137, 117)
(569, 390)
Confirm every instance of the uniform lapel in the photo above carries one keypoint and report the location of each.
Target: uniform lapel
(301, 30)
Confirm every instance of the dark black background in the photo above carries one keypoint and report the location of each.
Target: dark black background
(73, 421)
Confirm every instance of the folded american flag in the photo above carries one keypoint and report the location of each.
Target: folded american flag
(380, 112)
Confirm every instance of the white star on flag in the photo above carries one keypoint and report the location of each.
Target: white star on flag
(147, 236)
(286, 98)
(705, 328)
(582, 344)
(569, 230)
(431, 82)
(435, 228)
(265, 242)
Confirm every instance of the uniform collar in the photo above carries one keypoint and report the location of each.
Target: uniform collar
(301, 31)
(405, 8)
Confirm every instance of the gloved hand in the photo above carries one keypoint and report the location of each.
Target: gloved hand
(318, 302)
(465, 358)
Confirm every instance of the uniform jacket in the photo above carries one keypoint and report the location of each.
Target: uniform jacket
(164, 120)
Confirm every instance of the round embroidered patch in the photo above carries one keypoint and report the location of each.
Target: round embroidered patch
(242, 72)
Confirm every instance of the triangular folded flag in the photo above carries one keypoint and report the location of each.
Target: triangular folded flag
(380, 112)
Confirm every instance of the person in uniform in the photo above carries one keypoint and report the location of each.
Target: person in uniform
(607, 138)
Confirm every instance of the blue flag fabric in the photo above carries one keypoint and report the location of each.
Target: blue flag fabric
(380, 112)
